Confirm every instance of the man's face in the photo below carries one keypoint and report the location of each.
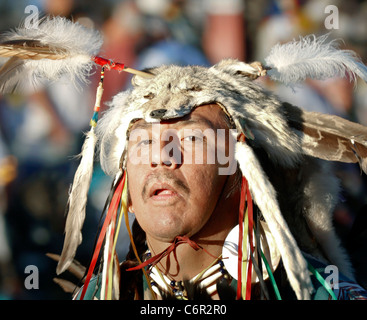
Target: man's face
(174, 174)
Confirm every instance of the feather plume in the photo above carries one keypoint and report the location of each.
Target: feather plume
(329, 137)
(57, 47)
(66, 285)
(75, 267)
(333, 138)
(312, 57)
(79, 191)
(77, 203)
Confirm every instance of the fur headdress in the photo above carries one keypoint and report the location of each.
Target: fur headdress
(280, 137)
(282, 140)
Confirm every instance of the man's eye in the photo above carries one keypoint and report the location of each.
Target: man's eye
(146, 142)
(193, 139)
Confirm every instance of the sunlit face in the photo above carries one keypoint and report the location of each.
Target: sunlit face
(175, 186)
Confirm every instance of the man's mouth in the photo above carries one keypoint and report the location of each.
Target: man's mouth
(164, 188)
(162, 192)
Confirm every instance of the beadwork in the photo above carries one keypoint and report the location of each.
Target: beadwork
(207, 279)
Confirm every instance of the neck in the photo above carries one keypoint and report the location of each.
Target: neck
(186, 257)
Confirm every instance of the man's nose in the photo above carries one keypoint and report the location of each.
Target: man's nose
(169, 151)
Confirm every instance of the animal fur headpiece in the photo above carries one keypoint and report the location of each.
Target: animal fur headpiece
(281, 141)
(290, 137)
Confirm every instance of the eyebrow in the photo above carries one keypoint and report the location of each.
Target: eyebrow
(142, 125)
(200, 121)
(180, 123)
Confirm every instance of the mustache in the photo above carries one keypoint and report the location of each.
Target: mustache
(166, 177)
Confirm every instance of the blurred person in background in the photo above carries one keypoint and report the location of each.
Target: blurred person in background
(41, 130)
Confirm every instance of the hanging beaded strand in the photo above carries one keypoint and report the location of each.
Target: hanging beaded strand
(97, 106)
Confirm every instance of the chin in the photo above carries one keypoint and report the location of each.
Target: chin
(166, 235)
(169, 234)
(164, 238)
(165, 226)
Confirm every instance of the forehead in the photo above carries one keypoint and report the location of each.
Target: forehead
(206, 116)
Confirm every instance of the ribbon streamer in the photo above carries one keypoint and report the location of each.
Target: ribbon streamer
(176, 242)
(245, 220)
(111, 210)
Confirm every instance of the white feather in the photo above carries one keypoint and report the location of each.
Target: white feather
(77, 43)
(77, 203)
(315, 58)
(265, 197)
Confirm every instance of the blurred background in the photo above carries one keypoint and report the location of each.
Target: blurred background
(41, 132)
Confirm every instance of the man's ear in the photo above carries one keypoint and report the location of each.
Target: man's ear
(130, 208)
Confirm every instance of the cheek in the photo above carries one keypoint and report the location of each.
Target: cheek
(205, 178)
(206, 186)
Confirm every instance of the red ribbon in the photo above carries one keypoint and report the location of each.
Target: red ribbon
(245, 196)
(176, 242)
(109, 64)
